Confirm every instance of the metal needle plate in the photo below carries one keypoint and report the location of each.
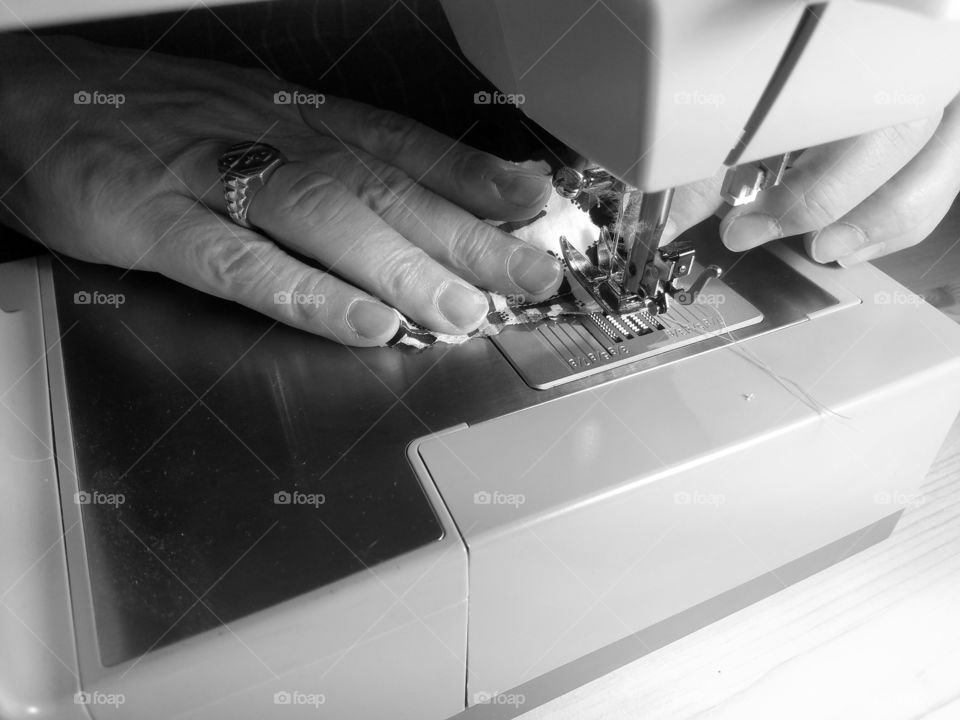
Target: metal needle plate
(551, 354)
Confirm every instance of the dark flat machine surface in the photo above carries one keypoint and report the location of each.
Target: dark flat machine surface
(199, 411)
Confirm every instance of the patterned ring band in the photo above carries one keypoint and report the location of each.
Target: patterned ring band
(244, 170)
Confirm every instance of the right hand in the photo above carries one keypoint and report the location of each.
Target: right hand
(387, 206)
(854, 199)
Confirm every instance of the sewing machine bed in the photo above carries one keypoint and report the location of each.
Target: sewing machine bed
(197, 412)
(242, 511)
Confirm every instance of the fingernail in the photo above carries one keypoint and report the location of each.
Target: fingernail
(748, 231)
(861, 256)
(837, 241)
(532, 270)
(524, 189)
(371, 320)
(461, 305)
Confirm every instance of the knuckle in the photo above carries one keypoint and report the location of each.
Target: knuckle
(820, 204)
(184, 160)
(306, 301)
(401, 272)
(386, 191)
(473, 247)
(231, 266)
(109, 173)
(470, 164)
(390, 134)
(910, 135)
(313, 196)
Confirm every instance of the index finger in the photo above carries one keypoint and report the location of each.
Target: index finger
(826, 183)
(476, 181)
(693, 203)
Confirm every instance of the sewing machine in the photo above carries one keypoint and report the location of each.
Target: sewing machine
(210, 516)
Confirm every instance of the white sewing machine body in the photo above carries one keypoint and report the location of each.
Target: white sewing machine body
(533, 539)
(208, 515)
(683, 88)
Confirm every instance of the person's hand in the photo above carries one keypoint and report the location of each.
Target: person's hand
(388, 206)
(856, 199)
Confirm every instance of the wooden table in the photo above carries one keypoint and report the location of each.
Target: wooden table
(876, 636)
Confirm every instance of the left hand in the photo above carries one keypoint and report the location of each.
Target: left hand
(856, 199)
(373, 211)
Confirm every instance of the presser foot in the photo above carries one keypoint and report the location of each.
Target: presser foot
(672, 263)
(632, 273)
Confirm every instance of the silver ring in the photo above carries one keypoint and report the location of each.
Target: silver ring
(244, 170)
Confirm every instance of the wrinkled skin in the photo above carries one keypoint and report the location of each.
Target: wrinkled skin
(389, 207)
(855, 199)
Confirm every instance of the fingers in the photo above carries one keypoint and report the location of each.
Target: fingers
(825, 184)
(318, 216)
(476, 181)
(203, 251)
(692, 204)
(902, 212)
(475, 250)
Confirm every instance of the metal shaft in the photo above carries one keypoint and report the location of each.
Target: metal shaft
(654, 211)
